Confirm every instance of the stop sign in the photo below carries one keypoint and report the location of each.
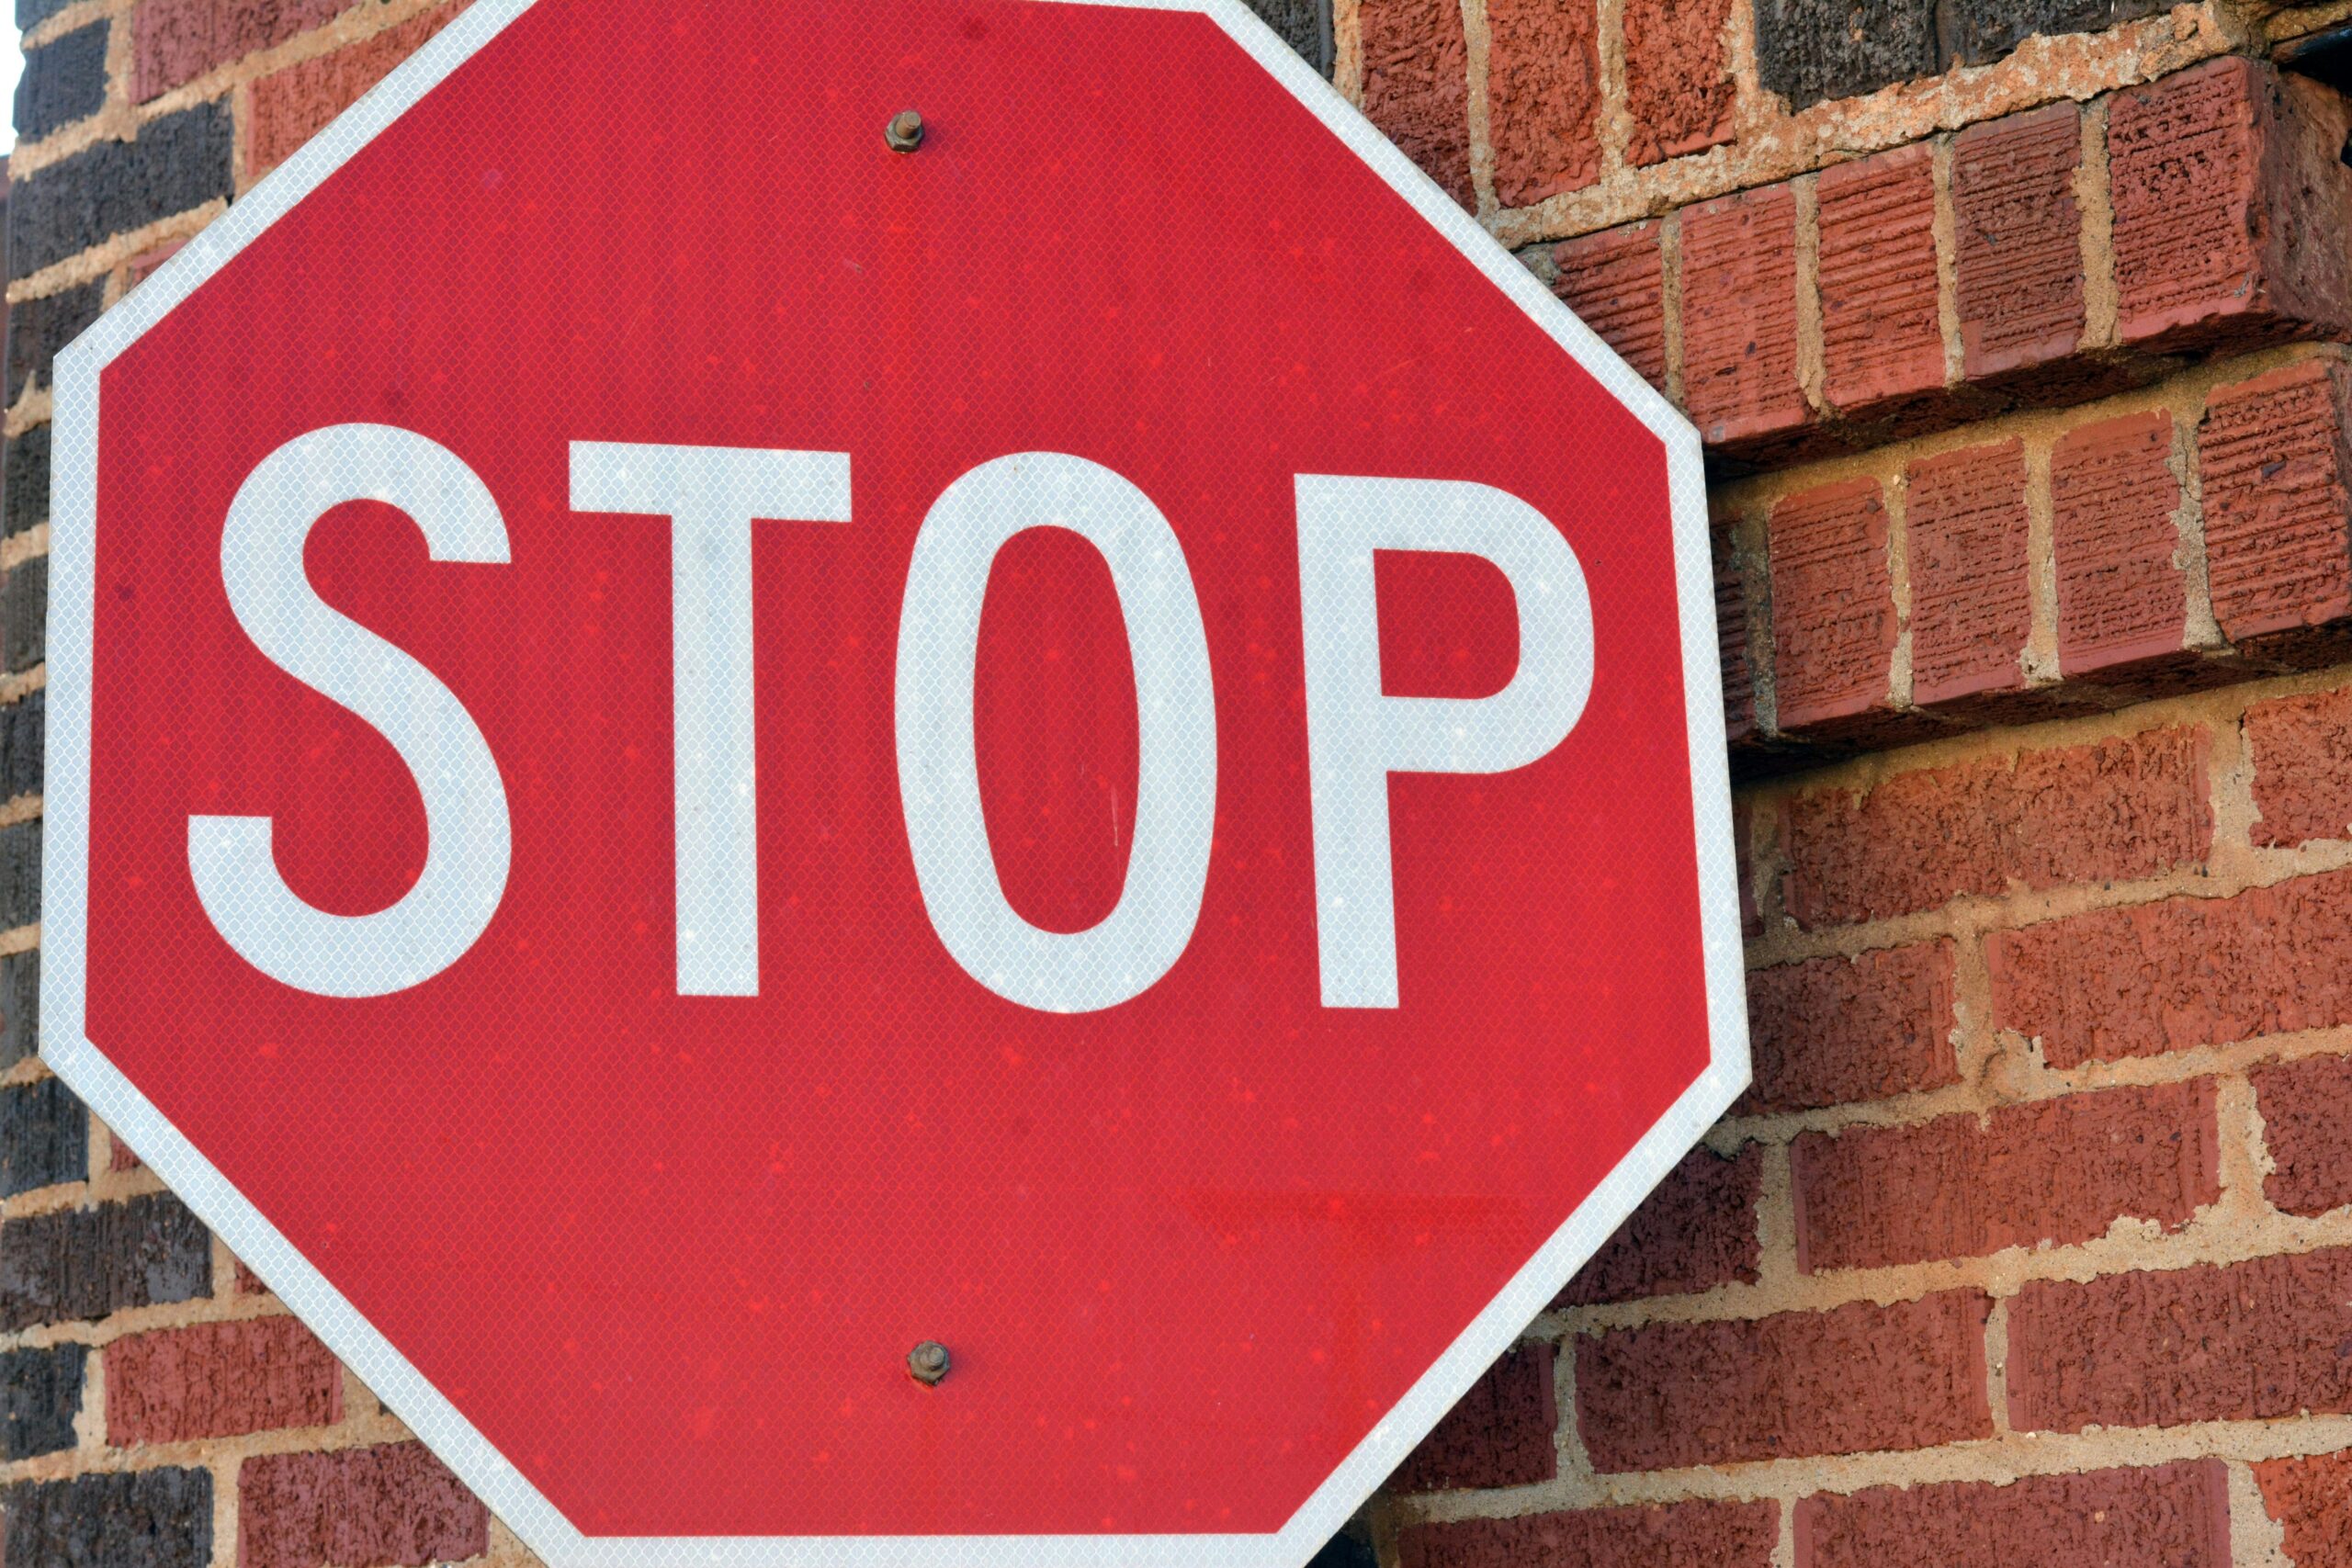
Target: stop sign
(696, 743)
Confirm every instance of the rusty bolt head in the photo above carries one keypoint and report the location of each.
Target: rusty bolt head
(904, 134)
(927, 1362)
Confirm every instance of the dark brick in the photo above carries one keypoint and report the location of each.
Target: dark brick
(178, 163)
(140, 1518)
(90, 1263)
(1305, 25)
(1980, 31)
(22, 724)
(44, 1136)
(27, 485)
(64, 80)
(1810, 50)
(20, 1006)
(1499, 1434)
(39, 328)
(30, 14)
(19, 875)
(24, 613)
(40, 1393)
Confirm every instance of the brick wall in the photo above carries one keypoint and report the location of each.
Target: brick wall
(2017, 333)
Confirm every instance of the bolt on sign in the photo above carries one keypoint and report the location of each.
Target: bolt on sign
(920, 782)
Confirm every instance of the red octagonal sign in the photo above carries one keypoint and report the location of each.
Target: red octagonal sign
(693, 746)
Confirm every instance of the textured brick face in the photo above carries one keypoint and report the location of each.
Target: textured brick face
(1810, 50)
(44, 1136)
(2307, 1127)
(2123, 597)
(1879, 323)
(2019, 271)
(2177, 1515)
(2311, 1499)
(218, 1379)
(1544, 97)
(2060, 1171)
(1681, 1535)
(1670, 1394)
(1833, 604)
(2277, 483)
(90, 1263)
(1415, 86)
(1739, 318)
(1696, 1230)
(1829, 1031)
(40, 1393)
(2158, 977)
(2250, 1341)
(141, 1519)
(178, 40)
(1972, 607)
(62, 82)
(1615, 282)
(177, 164)
(1499, 1434)
(2301, 750)
(1678, 86)
(383, 1506)
(39, 328)
(2129, 807)
(291, 105)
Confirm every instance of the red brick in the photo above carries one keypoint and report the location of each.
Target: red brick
(2177, 1514)
(1696, 1230)
(1739, 319)
(2059, 1171)
(2129, 807)
(2301, 750)
(1672, 1395)
(1615, 282)
(1678, 86)
(177, 41)
(2277, 483)
(1881, 337)
(1499, 1434)
(2244, 1342)
(2020, 268)
(291, 105)
(2307, 1126)
(1544, 97)
(2231, 206)
(1730, 638)
(2122, 596)
(1677, 1535)
(218, 1378)
(1833, 606)
(1832, 1030)
(2312, 1501)
(1416, 86)
(354, 1508)
(1971, 597)
(2164, 977)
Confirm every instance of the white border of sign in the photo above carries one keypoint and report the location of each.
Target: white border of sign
(438, 1422)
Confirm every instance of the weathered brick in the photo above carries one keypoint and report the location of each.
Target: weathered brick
(1971, 585)
(23, 738)
(216, 1379)
(1499, 1434)
(1615, 282)
(90, 1263)
(2230, 203)
(1981, 31)
(1696, 1230)
(1739, 320)
(24, 613)
(2246, 1342)
(2302, 751)
(2311, 1499)
(39, 328)
(2307, 1125)
(1677, 1535)
(138, 1519)
(2020, 264)
(64, 80)
(1670, 1394)
(2278, 486)
(2057, 1171)
(2158, 977)
(1679, 86)
(19, 1006)
(30, 14)
(1305, 25)
(289, 107)
(1730, 638)
(178, 40)
(1830, 1031)
(20, 875)
(1751, 914)
(2131, 805)
(1810, 50)
(44, 1136)
(177, 164)
(1833, 606)
(1544, 97)
(1882, 340)
(1416, 86)
(25, 487)
(40, 1393)
(2122, 594)
(2177, 1515)
(354, 1508)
